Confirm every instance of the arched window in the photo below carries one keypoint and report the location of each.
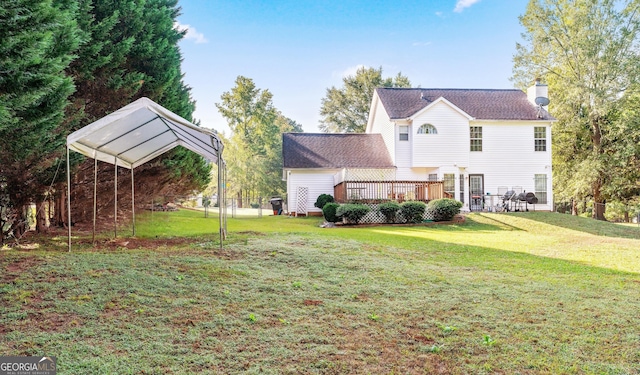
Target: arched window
(427, 129)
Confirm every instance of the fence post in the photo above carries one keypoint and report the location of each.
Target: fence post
(260, 207)
(233, 207)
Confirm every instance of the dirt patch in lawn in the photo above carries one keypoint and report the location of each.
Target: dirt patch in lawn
(141, 243)
(37, 321)
(55, 322)
(14, 269)
(371, 352)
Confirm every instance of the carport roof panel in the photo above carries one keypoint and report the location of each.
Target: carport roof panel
(139, 132)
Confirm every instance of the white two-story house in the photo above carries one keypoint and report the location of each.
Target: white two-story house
(479, 144)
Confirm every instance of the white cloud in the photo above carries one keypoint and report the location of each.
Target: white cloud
(462, 4)
(351, 71)
(420, 44)
(192, 33)
(439, 14)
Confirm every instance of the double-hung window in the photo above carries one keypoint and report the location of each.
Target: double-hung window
(476, 138)
(540, 138)
(403, 133)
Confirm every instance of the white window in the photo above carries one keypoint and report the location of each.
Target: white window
(403, 133)
(541, 188)
(540, 138)
(427, 129)
(476, 138)
(433, 177)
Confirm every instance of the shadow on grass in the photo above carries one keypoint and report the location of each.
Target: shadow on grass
(583, 224)
(496, 220)
(516, 261)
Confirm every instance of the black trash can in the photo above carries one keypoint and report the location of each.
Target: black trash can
(276, 204)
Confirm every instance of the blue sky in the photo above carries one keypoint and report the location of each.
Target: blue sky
(298, 48)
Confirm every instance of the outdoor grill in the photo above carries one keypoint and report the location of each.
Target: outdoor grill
(513, 201)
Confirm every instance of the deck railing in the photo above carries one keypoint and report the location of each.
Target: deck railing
(380, 191)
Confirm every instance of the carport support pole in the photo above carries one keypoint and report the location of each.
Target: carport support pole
(115, 198)
(224, 198)
(219, 191)
(95, 196)
(133, 203)
(68, 200)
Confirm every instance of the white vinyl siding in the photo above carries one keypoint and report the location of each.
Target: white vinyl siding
(318, 182)
(402, 157)
(414, 174)
(447, 148)
(384, 126)
(508, 160)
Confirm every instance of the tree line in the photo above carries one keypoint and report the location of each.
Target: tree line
(66, 63)
(588, 53)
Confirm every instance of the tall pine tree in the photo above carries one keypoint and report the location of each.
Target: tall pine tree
(133, 52)
(37, 41)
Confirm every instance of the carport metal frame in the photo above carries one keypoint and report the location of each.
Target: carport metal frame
(183, 132)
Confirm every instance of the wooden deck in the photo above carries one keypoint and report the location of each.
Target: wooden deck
(380, 191)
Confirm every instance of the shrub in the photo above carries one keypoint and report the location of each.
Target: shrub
(389, 210)
(353, 212)
(329, 212)
(444, 209)
(322, 200)
(413, 212)
(255, 205)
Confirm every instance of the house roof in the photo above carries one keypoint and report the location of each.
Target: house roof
(329, 150)
(481, 104)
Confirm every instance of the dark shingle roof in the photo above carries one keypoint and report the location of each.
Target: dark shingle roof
(481, 104)
(328, 150)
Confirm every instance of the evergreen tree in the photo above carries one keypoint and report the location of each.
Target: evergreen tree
(37, 41)
(132, 51)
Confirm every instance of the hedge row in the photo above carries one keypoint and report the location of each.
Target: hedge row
(412, 212)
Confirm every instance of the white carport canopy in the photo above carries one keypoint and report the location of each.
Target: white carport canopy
(137, 133)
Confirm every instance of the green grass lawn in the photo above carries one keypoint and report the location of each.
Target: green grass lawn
(529, 293)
